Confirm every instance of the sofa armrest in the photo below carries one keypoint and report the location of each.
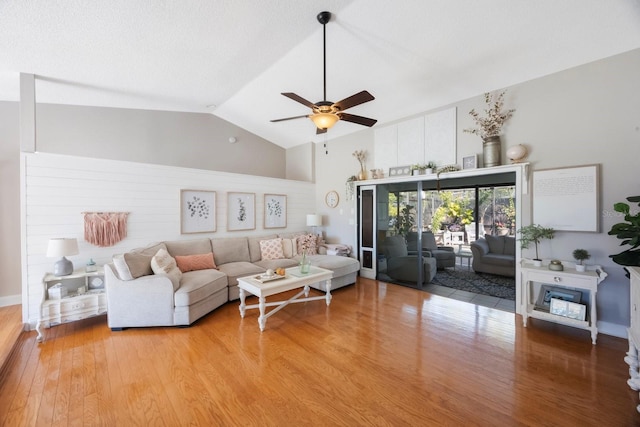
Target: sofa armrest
(145, 301)
(479, 248)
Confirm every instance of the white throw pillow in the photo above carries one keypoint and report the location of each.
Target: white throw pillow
(163, 263)
(271, 249)
(289, 248)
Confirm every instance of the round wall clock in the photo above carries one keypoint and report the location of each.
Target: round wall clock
(332, 198)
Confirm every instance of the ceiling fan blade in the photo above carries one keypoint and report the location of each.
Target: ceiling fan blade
(289, 118)
(299, 99)
(320, 131)
(353, 100)
(365, 121)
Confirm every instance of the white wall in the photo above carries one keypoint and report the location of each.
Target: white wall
(11, 284)
(59, 188)
(195, 140)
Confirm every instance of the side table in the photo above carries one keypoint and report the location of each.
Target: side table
(74, 297)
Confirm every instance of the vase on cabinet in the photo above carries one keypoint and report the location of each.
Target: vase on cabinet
(362, 175)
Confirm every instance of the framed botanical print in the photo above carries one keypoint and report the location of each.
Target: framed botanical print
(197, 211)
(275, 211)
(241, 211)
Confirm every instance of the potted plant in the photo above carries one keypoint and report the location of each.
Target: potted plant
(534, 233)
(431, 166)
(581, 255)
(628, 232)
(490, 127)
(418, 169)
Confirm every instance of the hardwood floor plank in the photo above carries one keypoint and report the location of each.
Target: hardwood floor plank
(380, 354)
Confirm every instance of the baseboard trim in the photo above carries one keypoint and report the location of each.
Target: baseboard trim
(10, 300)
(612, 329)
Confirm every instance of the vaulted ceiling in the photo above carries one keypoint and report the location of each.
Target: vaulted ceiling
(233, 58)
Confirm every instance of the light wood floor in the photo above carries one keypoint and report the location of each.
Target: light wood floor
(379, 355)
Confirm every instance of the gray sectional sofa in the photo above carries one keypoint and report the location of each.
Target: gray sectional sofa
(137, 298)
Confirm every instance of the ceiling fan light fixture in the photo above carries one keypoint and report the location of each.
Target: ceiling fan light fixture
(324, 120)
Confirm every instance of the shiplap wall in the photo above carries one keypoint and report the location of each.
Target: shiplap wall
(58, 188)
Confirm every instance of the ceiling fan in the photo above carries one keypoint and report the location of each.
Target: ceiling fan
(325, 113)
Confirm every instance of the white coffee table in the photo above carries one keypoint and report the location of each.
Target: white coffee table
(293, 279)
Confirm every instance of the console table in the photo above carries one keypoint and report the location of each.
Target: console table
(568, 280)
(83, 296)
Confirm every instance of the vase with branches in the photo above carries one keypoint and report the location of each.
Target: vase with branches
(489, 126)
(361, 155)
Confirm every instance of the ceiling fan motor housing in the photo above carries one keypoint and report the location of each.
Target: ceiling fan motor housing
(324, 17)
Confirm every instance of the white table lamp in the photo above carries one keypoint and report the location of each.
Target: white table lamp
(314, 220)
(61, 247)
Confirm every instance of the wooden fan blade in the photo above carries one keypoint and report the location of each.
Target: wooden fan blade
(365, 121)
(353, 100)
(289, 118)
(320, 131)
(299, 99)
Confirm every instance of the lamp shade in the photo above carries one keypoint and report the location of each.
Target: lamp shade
(324, 120)
(314, 220)
(60, 247)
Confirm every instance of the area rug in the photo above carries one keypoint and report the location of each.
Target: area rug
(479, 283)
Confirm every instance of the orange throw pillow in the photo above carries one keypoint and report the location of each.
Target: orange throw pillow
(195, 262)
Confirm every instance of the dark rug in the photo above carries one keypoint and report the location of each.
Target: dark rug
(479, 283)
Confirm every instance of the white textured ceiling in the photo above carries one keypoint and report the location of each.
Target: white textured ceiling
(184, 55)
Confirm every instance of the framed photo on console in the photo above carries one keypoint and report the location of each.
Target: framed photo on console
(197, 211)
(241, 211)
(548, 292)
(275, 211)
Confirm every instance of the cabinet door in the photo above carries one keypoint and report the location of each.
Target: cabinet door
(634, 291)
(411, 141)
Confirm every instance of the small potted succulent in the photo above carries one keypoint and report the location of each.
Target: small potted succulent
(581, 255)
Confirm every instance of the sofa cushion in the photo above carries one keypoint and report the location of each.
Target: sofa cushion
(289, 248)
(233, 270)
(163, 263)
(254, 247)
(150, 250)
(195, 262)
(132, 265)
(271, 249)
(308, 243)
(197, 285)
(496, 243)
(230, 249)
(509, 245)
(499, 260)
(340, 265)
(276, 263)
(188, 247)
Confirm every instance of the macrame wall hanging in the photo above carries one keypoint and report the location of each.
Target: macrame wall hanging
(105, 228)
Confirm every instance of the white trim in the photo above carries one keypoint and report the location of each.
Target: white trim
(10, 300)
(612, 329)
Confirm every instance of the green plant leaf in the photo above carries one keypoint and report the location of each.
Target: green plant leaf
(621, 207)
